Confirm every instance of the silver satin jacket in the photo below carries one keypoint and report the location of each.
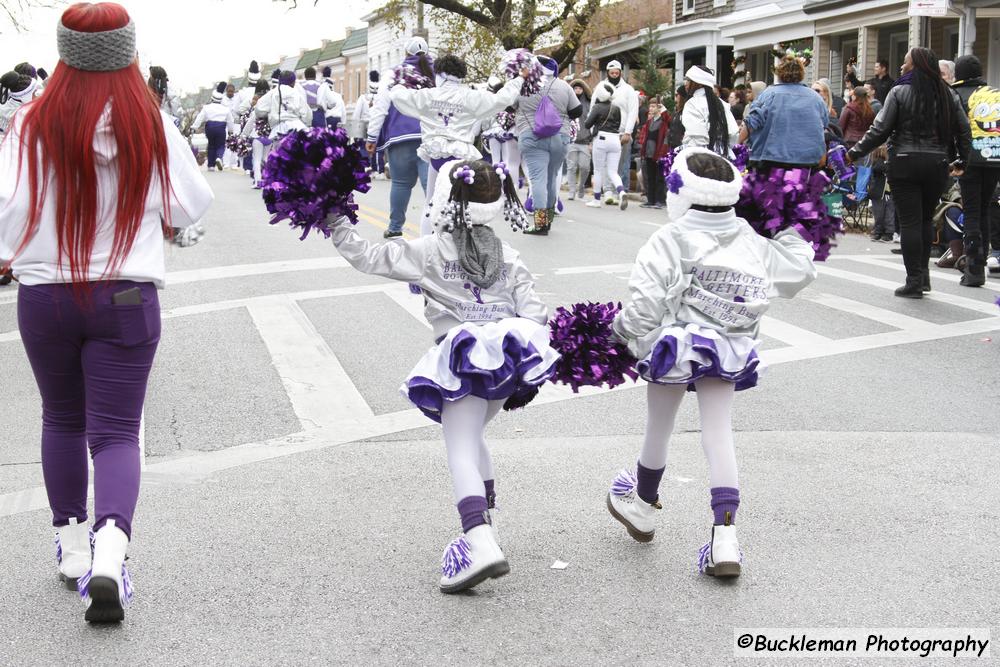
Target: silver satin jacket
(450, 298)
(712, 270)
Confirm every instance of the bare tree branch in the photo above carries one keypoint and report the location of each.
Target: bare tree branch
(552, 23)
(457, 7)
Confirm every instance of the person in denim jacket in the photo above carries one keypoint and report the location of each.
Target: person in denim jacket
(785, 123)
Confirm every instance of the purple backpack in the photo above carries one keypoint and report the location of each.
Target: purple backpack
(548, 122)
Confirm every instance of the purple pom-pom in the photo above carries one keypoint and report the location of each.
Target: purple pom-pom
(457, 556)
(998, 301)
(741, 156)
(516, 60)
(310, 176)
(667, 162)
(675, 182)
(777, 199)
(409, 76)
(589, 355)
(238, 144)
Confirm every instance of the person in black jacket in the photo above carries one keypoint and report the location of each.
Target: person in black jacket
(983, 171)
(926, 128)
(605, 123)
(676, 134)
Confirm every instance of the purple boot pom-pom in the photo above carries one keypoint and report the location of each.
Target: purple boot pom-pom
(311, 175)
(457, 557)
(589, 355)
(529, 204)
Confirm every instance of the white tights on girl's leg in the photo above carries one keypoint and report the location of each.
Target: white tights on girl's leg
(464, 422)
(426, 222)
(715, 403)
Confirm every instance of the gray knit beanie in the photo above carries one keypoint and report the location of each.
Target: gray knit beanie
(97, 51)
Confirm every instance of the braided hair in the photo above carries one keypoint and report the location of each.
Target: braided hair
(489, 184)
(718, 127)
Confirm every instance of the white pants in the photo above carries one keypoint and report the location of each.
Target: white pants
(259, 150)
(230, 159)
(606, 151)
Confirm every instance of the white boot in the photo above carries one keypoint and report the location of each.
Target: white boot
(471, 560)
(107, 590)
(625, 505)
(74, 551)
(722, 556)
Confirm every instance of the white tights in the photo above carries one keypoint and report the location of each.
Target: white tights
(464, 422)
(715, 408)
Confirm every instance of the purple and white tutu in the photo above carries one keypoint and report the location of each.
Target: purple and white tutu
(492, 360)
(683, 355)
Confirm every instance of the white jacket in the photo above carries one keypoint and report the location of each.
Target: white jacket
(451, 115)
(695, 120)
(38, 263)
(171, 104)
(330, 101)
(712, 270)
(244, 100)
(285, 109)
(216, 112)
(450, 298)
(627, 99)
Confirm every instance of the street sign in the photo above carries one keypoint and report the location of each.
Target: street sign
(929, 7)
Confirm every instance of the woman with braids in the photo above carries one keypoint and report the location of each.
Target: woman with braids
(926, 129)
(83, 215)
(491, 340)
(708, 122)
(170, 104)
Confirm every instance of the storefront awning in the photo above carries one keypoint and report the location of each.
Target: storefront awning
(784, 22)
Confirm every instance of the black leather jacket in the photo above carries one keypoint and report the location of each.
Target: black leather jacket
(895, 125)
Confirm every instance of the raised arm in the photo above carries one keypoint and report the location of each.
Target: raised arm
(399, 260)
(789, 264)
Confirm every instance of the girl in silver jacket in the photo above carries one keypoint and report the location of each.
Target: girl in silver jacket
(492, 347)
(451, 115)
(699, 288)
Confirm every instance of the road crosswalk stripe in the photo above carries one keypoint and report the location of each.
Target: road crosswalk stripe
(320, 390)
(950, 275)
(952, 299)
(868, 311)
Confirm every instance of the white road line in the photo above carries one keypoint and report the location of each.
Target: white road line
(243, 270)
(789, 333)
(951, 299)
(321, 392)
(950, 276)
(870, 312)
(408, 301)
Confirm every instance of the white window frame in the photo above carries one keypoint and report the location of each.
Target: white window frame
(689, 6)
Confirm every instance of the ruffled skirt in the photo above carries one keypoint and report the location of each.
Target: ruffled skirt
(683, 355)
(504, 360)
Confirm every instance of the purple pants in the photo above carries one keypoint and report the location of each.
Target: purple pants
(91, 361)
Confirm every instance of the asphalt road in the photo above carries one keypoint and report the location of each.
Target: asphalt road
(294, 506)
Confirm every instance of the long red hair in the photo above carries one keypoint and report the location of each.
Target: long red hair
(58, 140)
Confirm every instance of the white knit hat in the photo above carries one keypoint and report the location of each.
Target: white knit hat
(685, 189)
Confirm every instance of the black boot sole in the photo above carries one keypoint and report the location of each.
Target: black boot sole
(723, 570)
(105, 605)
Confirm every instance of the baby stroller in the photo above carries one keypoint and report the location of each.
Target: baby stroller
(948, 226)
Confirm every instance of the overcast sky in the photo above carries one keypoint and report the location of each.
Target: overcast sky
(199, 42)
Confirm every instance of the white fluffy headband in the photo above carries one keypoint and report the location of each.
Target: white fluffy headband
(685, 189)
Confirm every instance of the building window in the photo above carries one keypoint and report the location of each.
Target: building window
(689, 7)
(950, 48)
(719, 3)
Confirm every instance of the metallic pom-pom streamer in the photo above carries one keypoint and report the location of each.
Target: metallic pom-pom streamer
(624, 483)
(457, 557)
(589, 355)
(516, 60)
(310, 177)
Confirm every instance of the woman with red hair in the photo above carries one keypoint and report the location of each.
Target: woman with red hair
(84, 206)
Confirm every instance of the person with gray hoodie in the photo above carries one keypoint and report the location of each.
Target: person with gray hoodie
(578, 153)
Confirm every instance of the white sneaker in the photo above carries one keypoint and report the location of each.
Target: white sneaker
(622, 202)
(571, 196)
(472, 559)
(895, 237)
(993, 263)
(722, 556)
(107, 588)
(630, 510)
(74, 552)
(594, 203)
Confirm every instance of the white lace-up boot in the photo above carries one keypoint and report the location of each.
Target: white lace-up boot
(472, 559)
(625, 505)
